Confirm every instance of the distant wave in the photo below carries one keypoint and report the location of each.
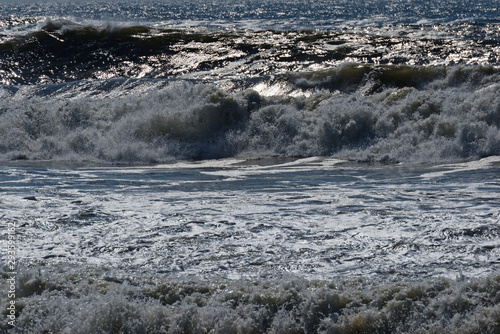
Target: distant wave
(63, 51)
(270, 14)
(367, 113)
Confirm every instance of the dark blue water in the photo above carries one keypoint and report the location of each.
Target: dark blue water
(322, 11)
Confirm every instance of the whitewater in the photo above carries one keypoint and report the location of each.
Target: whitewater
(250, 167)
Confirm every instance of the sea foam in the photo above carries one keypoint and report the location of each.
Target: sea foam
(357, 113)
(106, 303)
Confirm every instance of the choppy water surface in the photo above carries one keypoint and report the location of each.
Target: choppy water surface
(314, 217)
(309, 244)
(250, 166)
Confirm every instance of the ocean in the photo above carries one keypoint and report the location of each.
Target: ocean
(250, 166)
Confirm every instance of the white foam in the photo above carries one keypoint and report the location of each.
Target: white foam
(333, 241)
(204, 164)
(162, 121)
(463, 166)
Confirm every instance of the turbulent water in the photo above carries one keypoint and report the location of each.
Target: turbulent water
(250, 167)
(191, 81)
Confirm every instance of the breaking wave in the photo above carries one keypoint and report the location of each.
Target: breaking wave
(367, 113)
(101, 302)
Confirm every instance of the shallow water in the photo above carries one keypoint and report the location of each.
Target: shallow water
(314, 217)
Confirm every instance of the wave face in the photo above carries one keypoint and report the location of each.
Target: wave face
(369, 113)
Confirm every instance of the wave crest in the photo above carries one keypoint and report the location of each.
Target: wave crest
(444, 119)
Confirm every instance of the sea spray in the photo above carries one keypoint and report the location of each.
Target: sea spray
(451, 114)
(119, 302)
